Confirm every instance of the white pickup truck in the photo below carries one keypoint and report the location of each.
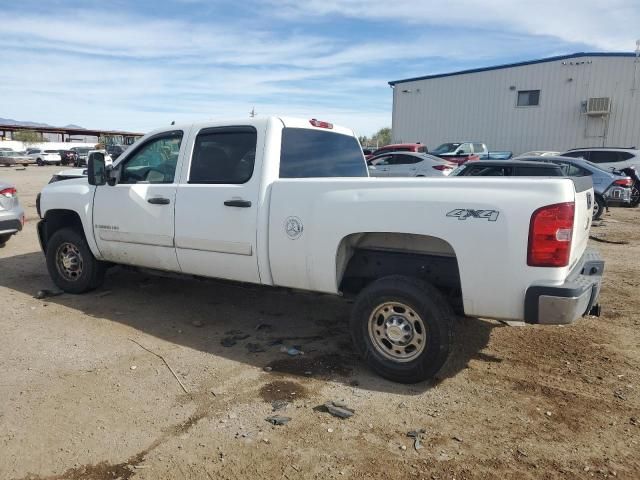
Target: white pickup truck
(288, 203)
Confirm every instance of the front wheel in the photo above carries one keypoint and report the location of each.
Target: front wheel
(598, 208)
(403, 328)
(71, 265)
(39, 162)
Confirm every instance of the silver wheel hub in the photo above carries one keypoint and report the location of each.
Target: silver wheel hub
(69, 262)
(397, 331)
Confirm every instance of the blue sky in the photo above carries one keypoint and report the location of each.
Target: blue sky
(139, 65)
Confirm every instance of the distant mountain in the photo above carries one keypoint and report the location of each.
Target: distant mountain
(10, 121)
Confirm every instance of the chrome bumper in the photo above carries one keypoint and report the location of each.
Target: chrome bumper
(576, 297)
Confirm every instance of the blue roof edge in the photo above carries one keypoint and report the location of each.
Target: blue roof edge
(517, 64)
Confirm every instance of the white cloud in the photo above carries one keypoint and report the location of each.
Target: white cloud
(610, 24)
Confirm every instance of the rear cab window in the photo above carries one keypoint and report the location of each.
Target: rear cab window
(307, 153)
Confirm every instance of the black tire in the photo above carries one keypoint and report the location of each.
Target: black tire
(88, 276)
(4, 239)
(635, 196)
(426, 304)
(39, 162)
(598, 208)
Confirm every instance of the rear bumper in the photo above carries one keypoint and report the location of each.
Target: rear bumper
(10, 224)
(563, 304)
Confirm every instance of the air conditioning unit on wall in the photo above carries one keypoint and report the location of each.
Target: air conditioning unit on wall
(598, 106)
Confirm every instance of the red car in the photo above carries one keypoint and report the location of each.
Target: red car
(399, 147)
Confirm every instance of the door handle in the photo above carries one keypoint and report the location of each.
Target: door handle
(159, 201)
(238, 203)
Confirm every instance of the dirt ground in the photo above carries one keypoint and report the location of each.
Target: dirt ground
(83, 398)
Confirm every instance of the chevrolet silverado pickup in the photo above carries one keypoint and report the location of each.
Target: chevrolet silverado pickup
(289, 203)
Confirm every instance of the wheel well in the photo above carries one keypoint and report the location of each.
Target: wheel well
(54, 220)
(365, 257)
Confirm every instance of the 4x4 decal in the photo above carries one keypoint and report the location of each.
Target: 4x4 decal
(464, 213)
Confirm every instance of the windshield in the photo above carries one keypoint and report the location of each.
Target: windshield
(446, 148)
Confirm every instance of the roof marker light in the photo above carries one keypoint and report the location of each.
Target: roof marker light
(320, 123)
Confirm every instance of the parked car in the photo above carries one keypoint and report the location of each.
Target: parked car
(632, 173)
(68, 174)
(299, 211)
(11, 213)
(508, 168)
(610, 188)
(68, 157)
(498, 155)
(460, 148)
(539, 153)
(400, 147)
(9, 158)
(82, 155)
(45, 157)
(115, 151)
(608, 157)
(408, 164)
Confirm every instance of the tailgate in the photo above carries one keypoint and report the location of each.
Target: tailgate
(582, 218)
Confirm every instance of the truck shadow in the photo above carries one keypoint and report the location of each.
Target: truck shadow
(245, 323)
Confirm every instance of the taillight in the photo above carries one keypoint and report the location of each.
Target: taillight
(624, 182)
(9, 192)
(550, 234)
(320, 124)
(442, 167)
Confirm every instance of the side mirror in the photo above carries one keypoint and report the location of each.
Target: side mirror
(96, 169)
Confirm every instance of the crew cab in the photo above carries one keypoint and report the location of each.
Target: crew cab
(288, 203)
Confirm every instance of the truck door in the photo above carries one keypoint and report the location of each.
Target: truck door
(217, 204)
(133, 220)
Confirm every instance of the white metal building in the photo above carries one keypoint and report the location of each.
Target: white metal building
(557, 103)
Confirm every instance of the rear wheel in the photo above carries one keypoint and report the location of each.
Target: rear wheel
(39, 162)
(598, 208)
(403, 328)
(635, 196)
(71, 265)
(4, 239)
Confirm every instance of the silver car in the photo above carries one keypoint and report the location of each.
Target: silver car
(11, 213)
(408, 164)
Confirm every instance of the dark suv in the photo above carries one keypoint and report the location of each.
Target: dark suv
(507, 168)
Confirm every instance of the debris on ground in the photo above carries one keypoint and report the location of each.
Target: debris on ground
(234, 336)
(40, 294)
(263, 326)
(255, 347)
(291, 351)
(338, 409)
(104, 293)
(278, 420)
(279, 405)
(267, 369)
(417, 436)
(197, 323)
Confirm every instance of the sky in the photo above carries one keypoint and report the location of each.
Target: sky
(138, 65)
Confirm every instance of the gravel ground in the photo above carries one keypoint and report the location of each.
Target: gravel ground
(84, 398)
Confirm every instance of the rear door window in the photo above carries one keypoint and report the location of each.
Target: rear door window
(224, 155)
(580, 154)
(603, 156)
(478, 147)
(539, 172)
(307, 153)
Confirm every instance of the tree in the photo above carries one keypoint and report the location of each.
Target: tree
(383, 136)
(28, 137)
